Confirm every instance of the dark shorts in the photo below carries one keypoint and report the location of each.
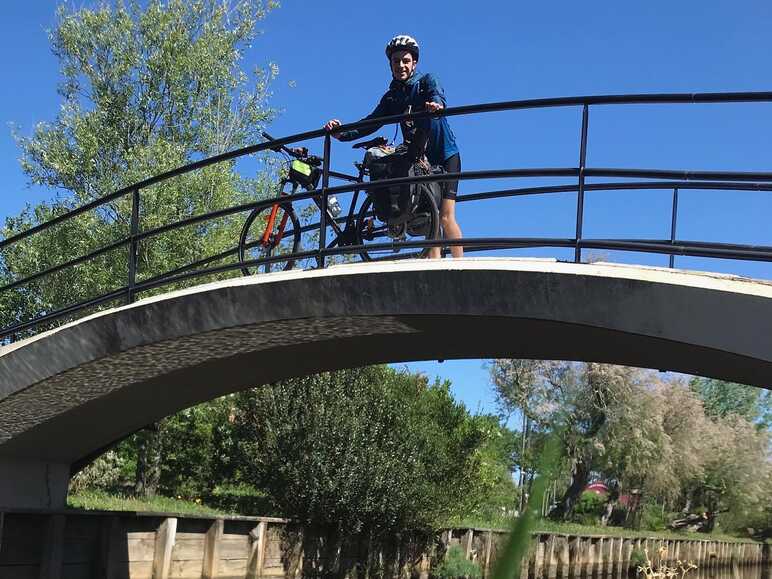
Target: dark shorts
(451, 165)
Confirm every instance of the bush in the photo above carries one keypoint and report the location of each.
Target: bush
(102, 474)
(367, 449)
(589, 508)
(652, 518)
(456, 564)
(243, 499)
(637, 558)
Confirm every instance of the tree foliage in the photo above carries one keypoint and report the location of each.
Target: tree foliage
(703, 445)
(369, 449)
(145, 88)
(722, 399)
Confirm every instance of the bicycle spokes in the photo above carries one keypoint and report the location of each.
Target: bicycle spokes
(270, 232)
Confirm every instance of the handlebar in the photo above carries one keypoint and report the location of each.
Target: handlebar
(376, 142)
(300, 153)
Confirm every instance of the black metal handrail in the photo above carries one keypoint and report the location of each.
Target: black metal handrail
(674, 180)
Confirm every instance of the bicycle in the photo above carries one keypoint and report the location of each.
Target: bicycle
(265, 233)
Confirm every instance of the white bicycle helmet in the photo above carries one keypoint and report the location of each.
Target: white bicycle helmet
(402, 42)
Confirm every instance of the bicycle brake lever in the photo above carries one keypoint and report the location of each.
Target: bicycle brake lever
(298, 151)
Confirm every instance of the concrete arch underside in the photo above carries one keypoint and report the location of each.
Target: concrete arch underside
(72, 391)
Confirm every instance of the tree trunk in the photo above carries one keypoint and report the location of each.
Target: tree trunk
(148, 461)
(523, 447)
(580, 476)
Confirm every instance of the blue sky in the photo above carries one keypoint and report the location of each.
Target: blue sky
(331, 61)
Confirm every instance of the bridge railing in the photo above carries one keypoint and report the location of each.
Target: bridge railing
(643, 179)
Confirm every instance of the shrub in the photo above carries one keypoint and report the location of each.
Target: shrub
(456, 564)
(652, 518)
(103, 474)
(637, 558)
(589, 508)
(243, 499)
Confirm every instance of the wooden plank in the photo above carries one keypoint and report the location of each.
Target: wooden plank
(232, 567)
(23, 572)
(488, 548)
(574, 557)
(53, 555)
(627, 554)
(140, 549)
(212, 549)
(164, 543)
(698, 554)
(550, 558)
(139, 570)
(77, 571)
(257, 548)
(78, 550)
(235, 548)
(22, 550)
(602, 551)
(466, 543)
(577, 558)
(190, 549)
(564, 557)
(110, 553)
(185, 569)
(538, 560)
(274, 553)
(591, 555)
(524, 562)
(141, 535)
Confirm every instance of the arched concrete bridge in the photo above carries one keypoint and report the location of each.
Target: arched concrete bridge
(69, 392)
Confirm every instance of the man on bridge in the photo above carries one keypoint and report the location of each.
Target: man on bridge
(412, 91)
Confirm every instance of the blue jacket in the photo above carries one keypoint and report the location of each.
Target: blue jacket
(415, 91)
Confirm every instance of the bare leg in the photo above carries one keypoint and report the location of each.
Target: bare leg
(450, 229)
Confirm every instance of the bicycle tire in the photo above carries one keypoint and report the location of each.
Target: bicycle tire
(249, 249)
(427, 205)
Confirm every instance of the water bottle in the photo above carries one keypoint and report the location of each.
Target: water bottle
(333, 205)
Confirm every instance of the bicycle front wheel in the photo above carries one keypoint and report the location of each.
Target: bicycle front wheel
(258, 241)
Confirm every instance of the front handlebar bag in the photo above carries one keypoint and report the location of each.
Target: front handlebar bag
(304, 174)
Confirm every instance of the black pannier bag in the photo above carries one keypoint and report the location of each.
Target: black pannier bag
(387, 163)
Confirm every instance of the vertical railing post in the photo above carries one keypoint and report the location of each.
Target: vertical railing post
(673, 218)
(323, 208)
(133, 245)
(580, 193)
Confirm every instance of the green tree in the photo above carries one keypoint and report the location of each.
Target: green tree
(363, 450)
(722, 399)
(145, 88)
(521, 389)
(577, 399)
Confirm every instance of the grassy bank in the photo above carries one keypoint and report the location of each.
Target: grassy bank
(545, 526)
(102, 501)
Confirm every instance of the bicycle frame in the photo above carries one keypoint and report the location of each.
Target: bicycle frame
(342, 235)
(265, 238)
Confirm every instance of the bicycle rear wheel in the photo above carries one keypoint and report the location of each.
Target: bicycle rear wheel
(424, 224)
(283, 239)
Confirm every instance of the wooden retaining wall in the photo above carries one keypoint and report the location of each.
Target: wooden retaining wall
(84, 545)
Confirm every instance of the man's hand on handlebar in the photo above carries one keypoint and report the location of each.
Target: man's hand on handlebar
(333, 124)
(433, 107)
